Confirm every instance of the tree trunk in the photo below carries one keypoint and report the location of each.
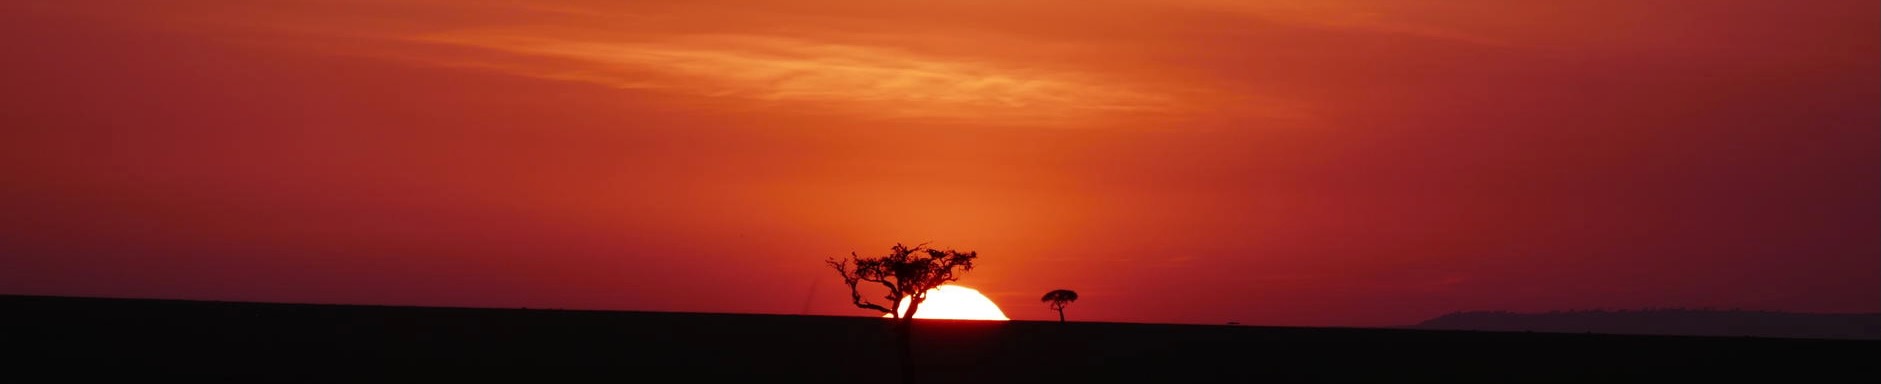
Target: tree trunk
(1061, 316)
(907, 350)
(907, 337)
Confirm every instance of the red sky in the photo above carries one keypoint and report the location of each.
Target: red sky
(1355, 162)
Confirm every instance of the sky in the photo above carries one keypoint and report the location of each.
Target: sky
(1325, 163)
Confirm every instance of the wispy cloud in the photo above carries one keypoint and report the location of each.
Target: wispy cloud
(974, 62)
(1373, 16)
(877, 79)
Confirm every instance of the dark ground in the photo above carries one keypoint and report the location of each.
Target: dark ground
(69, 339)
(1864, 326)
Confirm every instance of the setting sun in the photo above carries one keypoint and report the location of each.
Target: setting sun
(956, 303)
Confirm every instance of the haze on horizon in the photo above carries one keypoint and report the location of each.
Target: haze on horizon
(1350, 162)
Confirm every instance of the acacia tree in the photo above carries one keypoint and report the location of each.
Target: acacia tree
(1059, 298)
(907, 272)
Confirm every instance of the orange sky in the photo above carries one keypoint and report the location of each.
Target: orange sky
(1354, 162)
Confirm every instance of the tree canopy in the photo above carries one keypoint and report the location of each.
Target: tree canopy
(906, 272)
(1059, 298)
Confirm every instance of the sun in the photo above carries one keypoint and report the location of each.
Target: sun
(957, 303)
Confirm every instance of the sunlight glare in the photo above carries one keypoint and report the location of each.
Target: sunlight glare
(956, 303)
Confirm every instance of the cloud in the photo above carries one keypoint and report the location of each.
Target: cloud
(875, 80)
(1383, 17)
(965, 62)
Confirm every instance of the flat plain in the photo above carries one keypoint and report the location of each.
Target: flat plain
(69, 339)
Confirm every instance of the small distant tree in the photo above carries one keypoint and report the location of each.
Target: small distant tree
(1060, 298)
(907, 272)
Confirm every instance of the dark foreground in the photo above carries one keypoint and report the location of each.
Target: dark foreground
(1733, 323)
(69, 339)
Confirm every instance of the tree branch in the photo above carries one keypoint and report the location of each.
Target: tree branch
(855, 295)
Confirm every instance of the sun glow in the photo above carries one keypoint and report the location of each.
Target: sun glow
(957, 303)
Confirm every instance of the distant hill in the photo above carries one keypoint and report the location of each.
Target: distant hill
(1866, 326)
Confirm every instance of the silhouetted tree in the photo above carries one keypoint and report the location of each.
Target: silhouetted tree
(907, 272)
(1059, 298)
